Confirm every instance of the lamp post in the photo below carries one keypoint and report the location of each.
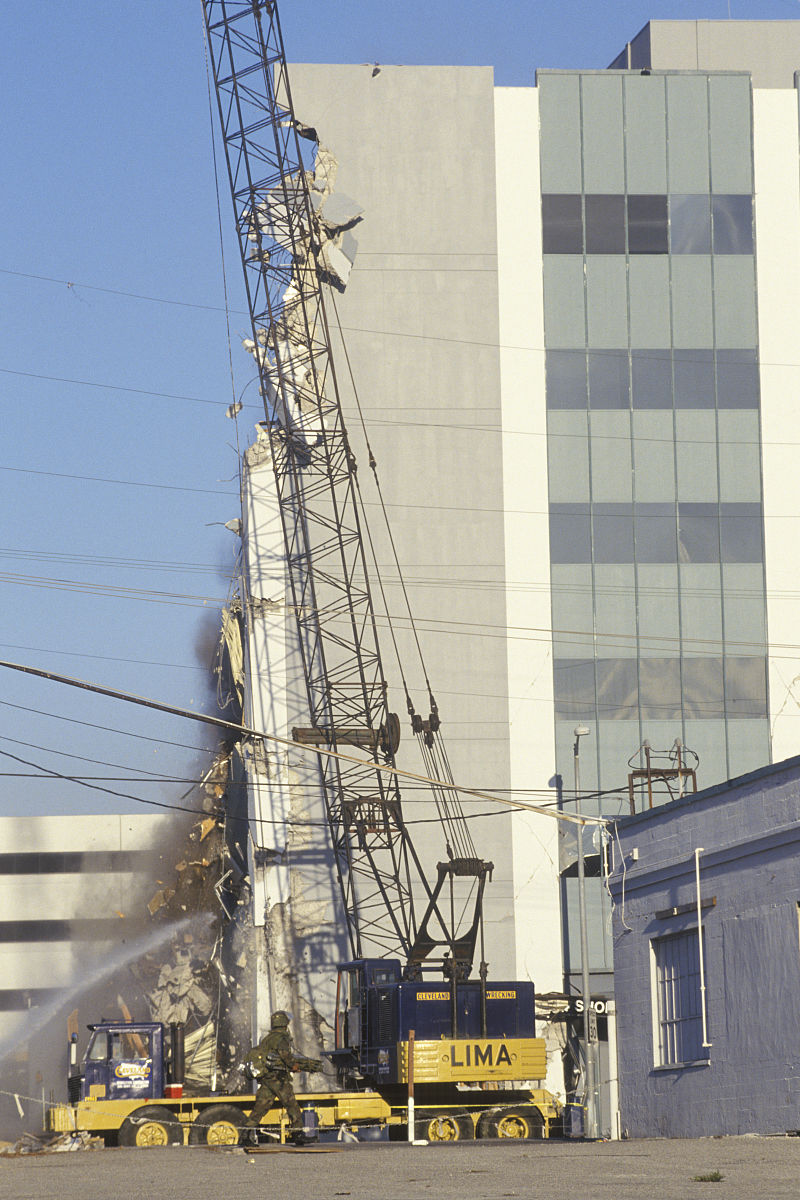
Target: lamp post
(590, 1129)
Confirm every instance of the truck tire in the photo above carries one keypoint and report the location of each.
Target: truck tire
(444, 1127)
(151, 1125)
(219, 1125)
(511, 1123)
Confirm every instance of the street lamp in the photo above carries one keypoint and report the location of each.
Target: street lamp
(591, 1109)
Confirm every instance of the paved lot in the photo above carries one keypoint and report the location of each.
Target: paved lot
(657, 1170)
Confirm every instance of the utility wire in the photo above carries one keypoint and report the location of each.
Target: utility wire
(245, 731)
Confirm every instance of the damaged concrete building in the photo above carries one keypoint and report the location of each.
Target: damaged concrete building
(569, 326)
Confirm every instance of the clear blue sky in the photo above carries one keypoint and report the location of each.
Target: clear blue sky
(118, 469)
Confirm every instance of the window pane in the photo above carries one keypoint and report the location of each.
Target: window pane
(651, 378)
(570, 533)
(690, 224)
(605, 224)
(698, 533)
(694, 378)
(566, 378)
(562, 225)
(737, 379)
(656, 533)
(573, 686)
(703, 695)
(608, 379)
(660, 689)
(647, 224)
(678, 1000)
(617, 689)
(745, 687)
(740, 529)
(733, 224)
(612, 530)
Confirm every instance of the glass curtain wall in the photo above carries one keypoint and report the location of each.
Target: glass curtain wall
(656, 529)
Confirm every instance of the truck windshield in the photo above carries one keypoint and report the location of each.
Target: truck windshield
(127, 1045)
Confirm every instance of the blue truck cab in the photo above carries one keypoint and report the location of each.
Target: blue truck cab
(124, 1062)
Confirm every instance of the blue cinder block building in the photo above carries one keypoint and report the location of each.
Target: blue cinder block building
(708, 1004)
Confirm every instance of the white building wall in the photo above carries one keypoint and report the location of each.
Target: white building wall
(777, 215)
(537, 920)
(299, 929)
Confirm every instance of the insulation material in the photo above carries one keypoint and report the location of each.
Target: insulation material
(179, 995)
(232, 640)
(336, 247)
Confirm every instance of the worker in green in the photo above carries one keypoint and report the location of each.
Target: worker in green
(271, 1064)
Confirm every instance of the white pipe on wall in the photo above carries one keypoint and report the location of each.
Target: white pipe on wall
(697, 853)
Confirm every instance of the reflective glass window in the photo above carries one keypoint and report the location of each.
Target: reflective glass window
(562, 224)
(694, 378)
(566, 378)
(698, 533)
(656, 533)
(660, 689)
(737, 379)
(690, 224)
(570, 533)
(617, 689)
(608, 379)
(647, 224)
(741, 533)
(732, 218)
(605, 224)
(745, 687)
(612, 532)
(573, 685)
(703, 693)
(651, 378)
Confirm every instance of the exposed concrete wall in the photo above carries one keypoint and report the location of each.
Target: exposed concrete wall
(750, 832)
(777, 212)
(299, 932)
(415, 147)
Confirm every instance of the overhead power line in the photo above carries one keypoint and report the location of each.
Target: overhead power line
(245, 731)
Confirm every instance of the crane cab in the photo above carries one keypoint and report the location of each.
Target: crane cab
(376, 1009)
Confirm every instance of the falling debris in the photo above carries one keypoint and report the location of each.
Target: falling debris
(161, 898)
(206, 826)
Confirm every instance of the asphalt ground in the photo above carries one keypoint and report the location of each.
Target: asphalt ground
(656, 1169)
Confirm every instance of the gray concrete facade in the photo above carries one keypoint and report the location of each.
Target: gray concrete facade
(415, 149)
(747, 1080)
(769, 50)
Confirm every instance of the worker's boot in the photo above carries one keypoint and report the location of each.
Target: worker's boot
(248, 1136)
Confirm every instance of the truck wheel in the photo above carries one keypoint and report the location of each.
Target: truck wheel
(151, 1126)
(219, 1125)
(444, 1127)
(511, 1123)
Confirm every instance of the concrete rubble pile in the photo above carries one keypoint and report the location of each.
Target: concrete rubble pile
(63, 1142)
(194, 979)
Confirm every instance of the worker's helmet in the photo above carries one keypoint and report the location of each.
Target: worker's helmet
(280, 1019)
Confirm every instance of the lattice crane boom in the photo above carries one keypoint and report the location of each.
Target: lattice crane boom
(315, 477)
